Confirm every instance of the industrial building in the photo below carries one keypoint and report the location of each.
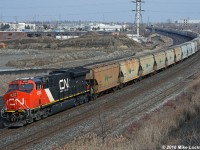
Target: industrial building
(188, 21)
(19, 26)
(104, 27)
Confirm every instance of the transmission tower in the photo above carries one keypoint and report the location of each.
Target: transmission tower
(138, 15)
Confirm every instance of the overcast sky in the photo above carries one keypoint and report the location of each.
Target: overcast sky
(93, 10)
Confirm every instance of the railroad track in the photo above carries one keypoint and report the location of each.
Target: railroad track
(177, 39)
(25, 141)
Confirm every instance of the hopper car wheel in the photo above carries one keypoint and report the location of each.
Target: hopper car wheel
(114, 89)
(94, 96)
(135, 81)
(140, 78)
(121, 86)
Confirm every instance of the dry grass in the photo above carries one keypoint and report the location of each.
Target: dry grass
(152, 131)
(93, 142)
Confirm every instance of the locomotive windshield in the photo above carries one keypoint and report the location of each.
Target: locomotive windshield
(26, 87)
(13, 87)
(21, 87)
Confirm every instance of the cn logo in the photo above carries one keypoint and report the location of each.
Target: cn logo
(63, 84)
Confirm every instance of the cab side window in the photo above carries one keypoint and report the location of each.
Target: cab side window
(38, 85)
(45, 83)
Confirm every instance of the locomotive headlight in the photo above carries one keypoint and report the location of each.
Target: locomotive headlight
(15, 94)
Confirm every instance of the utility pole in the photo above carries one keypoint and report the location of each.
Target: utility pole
(1, 19)
(138, 15)
(17, 25)
(16, 19)
(103, 18)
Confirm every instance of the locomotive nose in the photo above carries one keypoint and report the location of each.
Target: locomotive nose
(13, 94)
(12, 104)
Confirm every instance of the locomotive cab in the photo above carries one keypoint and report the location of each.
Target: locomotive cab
(22, 95)
(18, 92)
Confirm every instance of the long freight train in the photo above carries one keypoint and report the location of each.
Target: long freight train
(31, 99)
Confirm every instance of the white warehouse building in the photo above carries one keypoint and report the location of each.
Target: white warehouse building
(104, 27)
(20, 26)
(188, 21)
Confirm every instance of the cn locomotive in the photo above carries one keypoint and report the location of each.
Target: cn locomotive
(31, 99)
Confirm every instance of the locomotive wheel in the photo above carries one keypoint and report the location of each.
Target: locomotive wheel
(30, 120)
(82, 101)
(87, 99)
(46, 113)
(76, 103)
(135, 81)
(45, 116)
(38, 116)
